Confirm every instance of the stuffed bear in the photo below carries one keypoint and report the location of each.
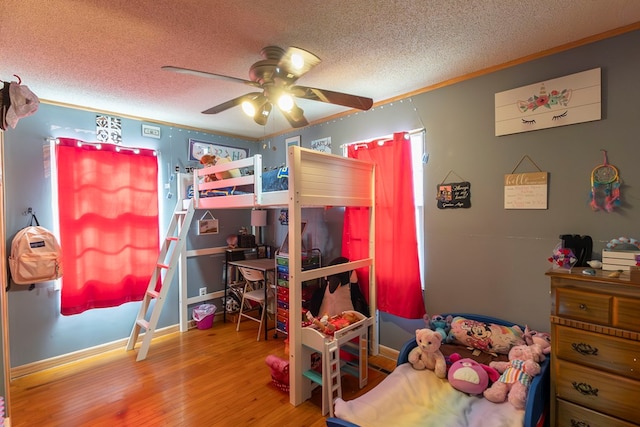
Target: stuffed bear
(427, 354)
(210, 160)
(517, 374)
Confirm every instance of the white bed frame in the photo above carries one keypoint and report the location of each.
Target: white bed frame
(315, 180)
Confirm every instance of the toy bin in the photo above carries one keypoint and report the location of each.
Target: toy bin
(203, 315)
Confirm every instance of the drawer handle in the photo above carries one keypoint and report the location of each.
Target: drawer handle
(582, 306)
(585, 349)
(575, 423)
(584, 388)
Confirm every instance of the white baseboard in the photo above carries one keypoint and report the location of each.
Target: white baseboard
(75, 356)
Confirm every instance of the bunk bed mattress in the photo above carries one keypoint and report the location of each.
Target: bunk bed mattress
(411, 397)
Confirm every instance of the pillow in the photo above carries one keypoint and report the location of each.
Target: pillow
(487, 337)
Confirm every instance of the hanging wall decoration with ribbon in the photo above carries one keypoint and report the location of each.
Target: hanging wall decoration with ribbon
(453, 195)
(605, 186)
(207, 225)
(527, 190)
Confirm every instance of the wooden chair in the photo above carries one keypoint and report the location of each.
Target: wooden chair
(254, 292)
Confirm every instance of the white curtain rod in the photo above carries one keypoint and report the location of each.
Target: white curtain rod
(385, 137)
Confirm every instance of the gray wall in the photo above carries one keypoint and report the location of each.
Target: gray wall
(487, 259)
(484, 259)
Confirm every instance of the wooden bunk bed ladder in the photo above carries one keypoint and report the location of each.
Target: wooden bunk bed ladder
(165, 268)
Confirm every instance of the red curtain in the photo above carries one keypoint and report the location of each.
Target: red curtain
(108, 207)
(399, 289)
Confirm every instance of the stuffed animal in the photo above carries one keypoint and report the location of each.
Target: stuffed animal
(279, 371)
(517, 374)
(469, 376)
(427, 354)
(210, 160)
(543, 339)
(440, 324)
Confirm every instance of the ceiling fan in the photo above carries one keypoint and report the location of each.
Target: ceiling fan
(275, 76)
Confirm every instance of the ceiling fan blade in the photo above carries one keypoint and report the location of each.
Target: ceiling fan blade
(208, 75)
(231, 103)
(295, 62)
(328, 96)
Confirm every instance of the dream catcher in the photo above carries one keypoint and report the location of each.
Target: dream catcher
(605, 186)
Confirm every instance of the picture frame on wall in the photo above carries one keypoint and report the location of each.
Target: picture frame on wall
(294, 140)
(261, 251)
(197, 149)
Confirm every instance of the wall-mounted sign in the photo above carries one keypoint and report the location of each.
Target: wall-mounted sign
(151, 131)
(323, 145)
(558, 102)
(526, 190)
(207, 225)
(454, 195)
(197, 149)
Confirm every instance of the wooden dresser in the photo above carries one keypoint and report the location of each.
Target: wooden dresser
(595, 358)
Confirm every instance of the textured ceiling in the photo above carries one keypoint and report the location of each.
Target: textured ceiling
(107, 54)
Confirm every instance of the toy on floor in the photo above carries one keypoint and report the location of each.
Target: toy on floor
(427, 354)
(469, 376)
(279, 371)
(513, 384)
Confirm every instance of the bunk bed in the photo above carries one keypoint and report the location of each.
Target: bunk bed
(315, 179)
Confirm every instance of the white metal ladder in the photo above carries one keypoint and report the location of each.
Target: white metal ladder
(163, 272)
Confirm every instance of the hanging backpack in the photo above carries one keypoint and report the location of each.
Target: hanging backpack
(35, 255)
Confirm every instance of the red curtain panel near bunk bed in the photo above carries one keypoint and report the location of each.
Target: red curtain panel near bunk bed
(108, 207)
(399, 290)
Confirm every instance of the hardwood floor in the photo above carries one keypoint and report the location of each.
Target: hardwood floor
(213, 377)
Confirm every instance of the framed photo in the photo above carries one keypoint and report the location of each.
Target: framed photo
(294, 140)
(197, 149)
(261, 251)
(207, 226)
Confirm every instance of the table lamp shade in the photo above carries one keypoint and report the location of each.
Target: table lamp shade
(258, 218)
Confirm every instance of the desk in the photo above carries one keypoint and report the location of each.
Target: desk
(266, 265)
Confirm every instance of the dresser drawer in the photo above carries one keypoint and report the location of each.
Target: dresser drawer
(612, 354)
(570, 415)
(612, 395)
(588, 307)
(626, 313)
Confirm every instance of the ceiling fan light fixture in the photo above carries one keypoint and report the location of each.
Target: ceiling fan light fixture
(285, 102)
(296, 113)
(297, 61)
(263, 114)
(249, 108)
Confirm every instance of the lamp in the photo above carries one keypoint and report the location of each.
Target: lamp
(258, 220)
